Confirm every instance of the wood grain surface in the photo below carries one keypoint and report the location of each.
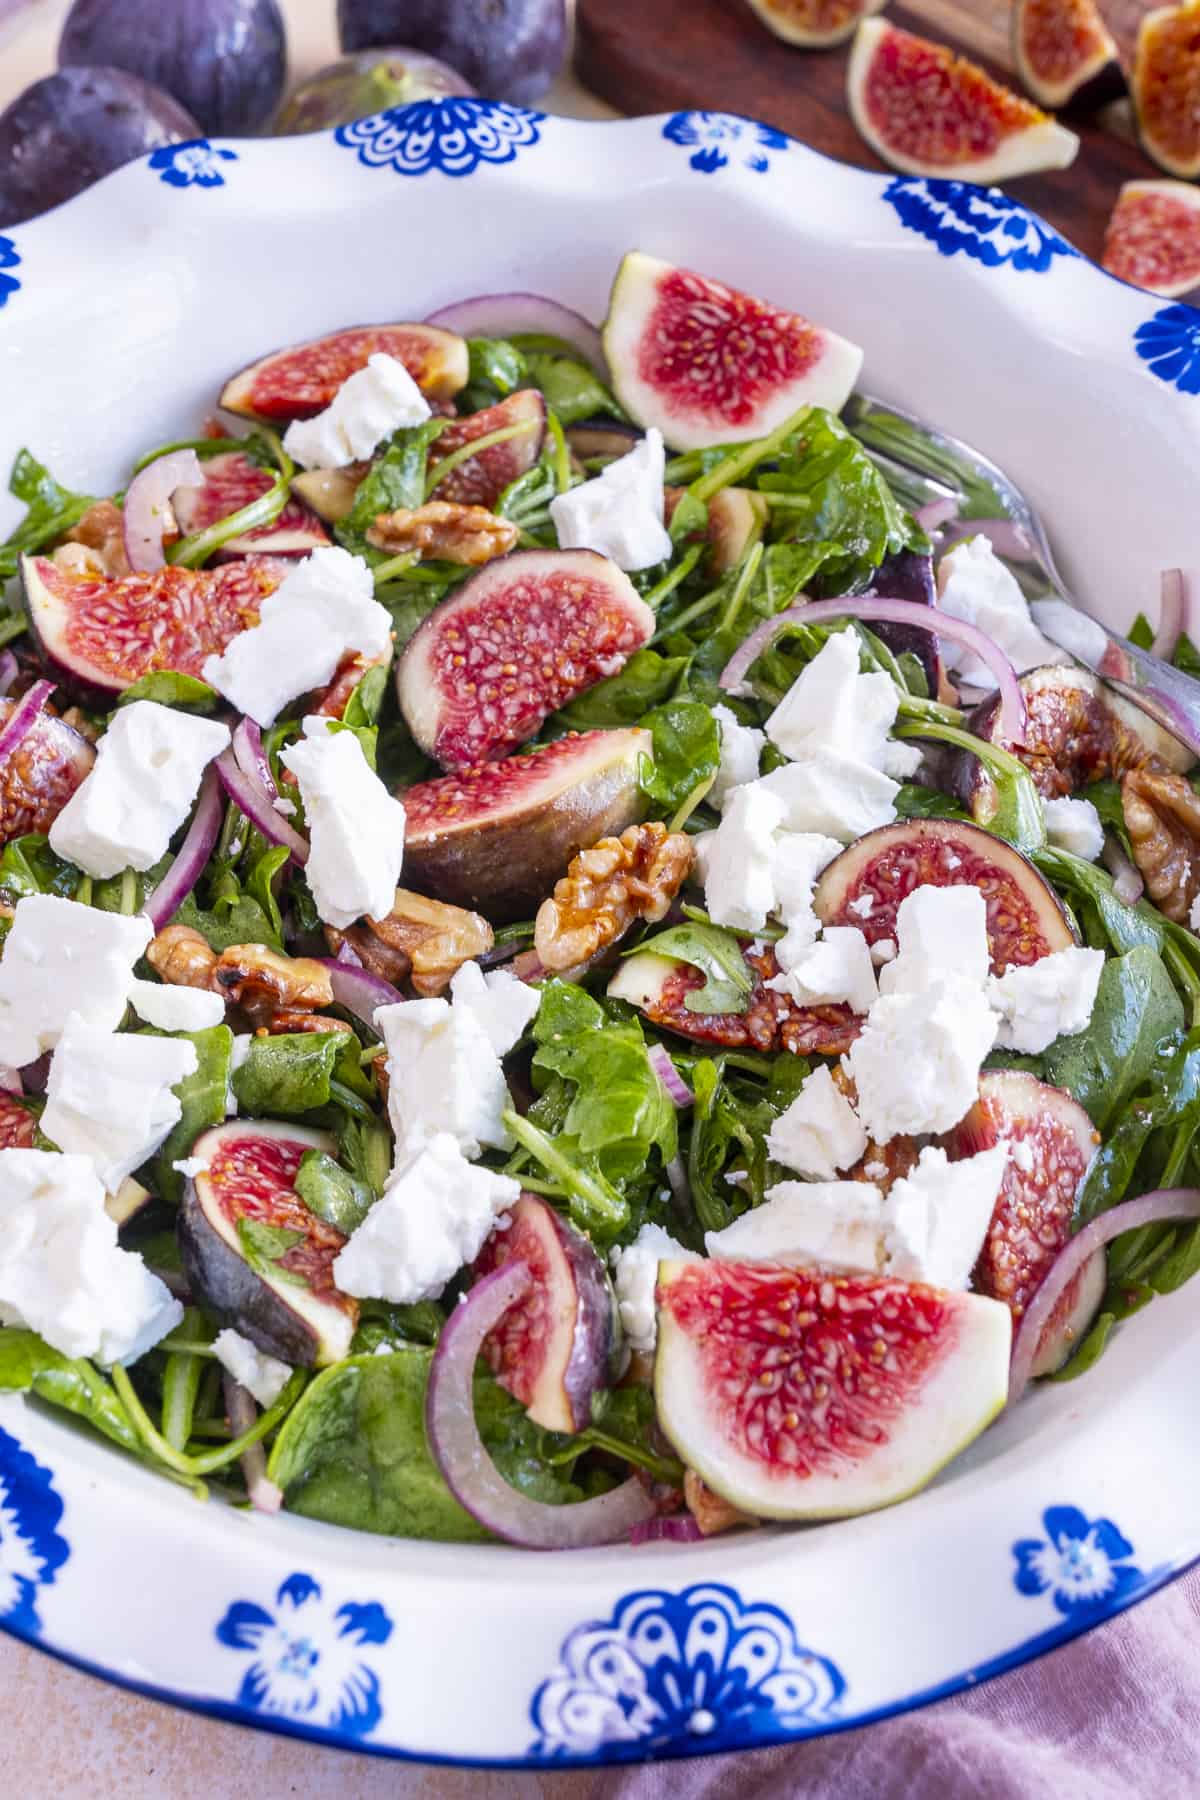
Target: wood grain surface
(665, 55)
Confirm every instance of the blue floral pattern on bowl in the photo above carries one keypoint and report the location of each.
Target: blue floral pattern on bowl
(305, 1663)
(981, 222)
(1170, 343)
(674, 1669)
(1083, 1563)
(716, 138)
(197, 163)
(31, 1550)
(455, 136)
(8, 260)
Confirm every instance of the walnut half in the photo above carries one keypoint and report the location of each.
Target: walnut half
(1162, 816)
(445, 530)
(420, 937)
(635, 876)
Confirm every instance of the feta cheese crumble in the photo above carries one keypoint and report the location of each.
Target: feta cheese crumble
(936, 1218)
(323, 609)
(355, 827)
(501, 1004)
(915, 1065)
(741, 752)
(738, 859)
(109, 1095)
(620, 512)
(973, 584)
(263, 1376)
(942, 935)
(1074, 825)
(432, 1217)
(61, 958)
(444, 1077)
(63, 1273)
(827, 792)
(635, 1277)
(799, 858)
(369, 406)
(1050, 998)
(170, 1007)
(835, 1224)
(835, 971)
(820, 1133)
(833, 706)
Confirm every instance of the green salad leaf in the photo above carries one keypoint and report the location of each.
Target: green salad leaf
(287, 1075)
(1136, 1008)
(333, 1194)
(717, 953)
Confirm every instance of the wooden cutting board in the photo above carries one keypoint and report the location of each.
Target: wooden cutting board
(666, 55)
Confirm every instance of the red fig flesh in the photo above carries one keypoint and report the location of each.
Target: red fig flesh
(1153, 237)
(40, 774)
(814, 24)
(231, 482)
(1065, 54)
(303, 379)
(481, 479)
(1166, 88)
(658, 987)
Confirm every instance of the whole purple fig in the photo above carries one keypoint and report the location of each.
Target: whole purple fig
(369, 82)
(507, 49)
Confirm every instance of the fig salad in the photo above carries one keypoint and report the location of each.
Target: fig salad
(572, 972)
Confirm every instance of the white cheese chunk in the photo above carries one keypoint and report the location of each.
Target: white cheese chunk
(936, 1219)
(834, 971)
(916, 1064)
(973, 584)
(738, 859)
(432, 1217)
(635, 1277)
(502, 1005)
(799, 858)
(369, 406)
(240, 1050)
(1050, 998)
(941, 931)
(109, 1095)
(60, 958)
(173, 1008)
(139, 791)
(820, 1133)
(1074, 825)
(324, 608)
(825, 792)
(833, 1224)
(833, 706)
(620, 512)
(62, 1272)
(741, 751)
(443, 1076)
(263, 1376)
(355, 827)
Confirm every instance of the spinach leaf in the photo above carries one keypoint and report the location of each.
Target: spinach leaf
(620, 1111)
(1136, 1007)
(29, 1365)
(729, 981)
(365, 1148)
(914, 802)
(331, 1193)
(646, 680)
(172, 689)
(382, 1324)
(366, 702)
(686, 753)
(287, 1075)
(242, 921)
(496, 364)
(1186, 656)
(260, 885)
(51, 510)
(29, 866)
(264, 1246)
(572, 389)
(202, 1096)
(395, 479)
(625, 1425)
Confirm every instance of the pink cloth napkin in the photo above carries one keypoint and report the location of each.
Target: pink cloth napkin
(1113, 1714)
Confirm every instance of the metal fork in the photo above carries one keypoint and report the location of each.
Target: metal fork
(923, 464)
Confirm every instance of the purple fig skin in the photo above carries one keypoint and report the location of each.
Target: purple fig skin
(907, 575)
(224, 60)
(40, 775)
(602, 437)
(369, 82)
(509, 49)
(66, 131)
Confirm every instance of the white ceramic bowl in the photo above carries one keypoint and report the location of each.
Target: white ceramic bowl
(120, 315)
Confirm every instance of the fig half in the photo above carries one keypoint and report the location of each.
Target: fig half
(232, 481)
(303, 379)
(1065, 54)
(40, 774)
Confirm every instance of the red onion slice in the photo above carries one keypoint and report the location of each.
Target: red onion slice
(147, 499)
(24, 714)
(265, 1496)
(1127, 881)
(1163, 1206)
(674, 1528)
(498, 315)
(677, 1088)
(357, 989)
(528, 966)
(460, 1454)
(252, 759)
(895, 612)
(1173, 609)
(936, 513)
(9, 670)
(249, 794)
(164, 901)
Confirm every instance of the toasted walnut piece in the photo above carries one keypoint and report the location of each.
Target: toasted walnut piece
(289, 1020)
(437, 939)
(635, 876)
(445, 530)
(375, 956)
(1162, 816)
(100, 534)
(182, 956)
(255, 976)
(711, 1513)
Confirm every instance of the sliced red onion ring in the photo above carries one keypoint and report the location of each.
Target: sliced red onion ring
(9, 670)
(24, 714)
(673, 1528)
(896, 612)
(249, 794)
(265, 1496)
(677, 1088)
(469, 1471)
(528, 966)
(1163, 1206)
(936, 513)
(1127, 881)
(164, 901)
(358, 990)
(147, 498)
(1173, 609)
(348, 958)
(498, 315)
(252, 759)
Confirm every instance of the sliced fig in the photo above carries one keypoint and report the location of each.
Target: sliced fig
(736, 517)
(815, 24)
(496, 838)
(511, 645)
(795, 1394)
(330, 492)
(1071, 1319)
(907, 575)
(38, 777)
(302, 380)
(659, 986)
(927, 111)
(1051, 1141)
(1064, 54)
(130, 1199)
(481, 479)
(1153, 237)
(710, 365)
(602, 437)
(866, 883)
(553, 1350)
(254, 1255)
(1166, 88)
(231, 482)
(18, 1125)
(97, 636)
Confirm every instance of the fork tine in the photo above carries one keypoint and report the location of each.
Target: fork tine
(884, 430)
(910, 486)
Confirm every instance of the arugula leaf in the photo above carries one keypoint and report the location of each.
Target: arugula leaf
(572, 389)
(172, 689)
(494, 363)
(202, 1096)
(365, 1149)
(729, 982)
(331, 1193)
(264, 1245)
(395, 479)
(29, 866)
(686, 753)
(730, 1122)
(51, 510)
(29, 1365)
(242, 921)
(263, 871)
(914, 802)
(1136, 1008)
(288, 1074)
